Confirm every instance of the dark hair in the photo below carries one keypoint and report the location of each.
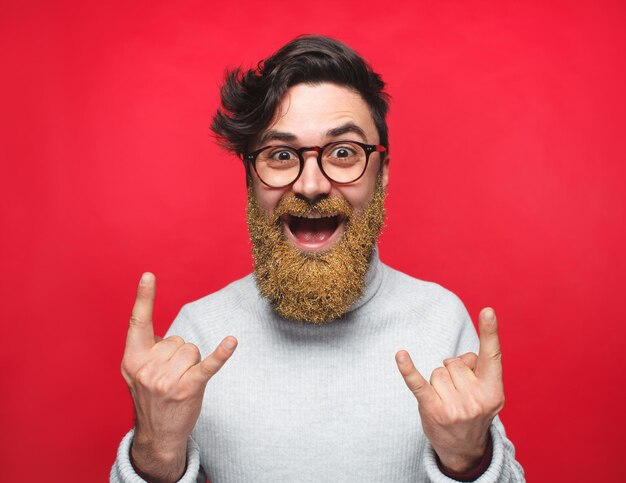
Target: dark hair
(250, 98)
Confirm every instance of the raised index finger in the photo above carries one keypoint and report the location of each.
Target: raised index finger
(140, 335)
(489, 355)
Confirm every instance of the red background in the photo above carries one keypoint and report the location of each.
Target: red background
(507, 186)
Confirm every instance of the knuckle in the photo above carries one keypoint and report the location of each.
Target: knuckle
(139, 322)
(183, 394)
(494, 403)
(416, 388)
(470, 356)
(179, 397)
(191, 349)
(474, 409)
(143, 377)
(187, 390)
(497, 356)
(126, 371)
(208, 370)
(162, 386)
(175, 339)
(180, 394)
(442, 418)
(456, 416)
(439, 373)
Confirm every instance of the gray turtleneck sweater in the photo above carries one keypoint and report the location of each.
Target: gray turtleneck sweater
(305, 403)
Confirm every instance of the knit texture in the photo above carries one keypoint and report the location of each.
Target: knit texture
(304, 403)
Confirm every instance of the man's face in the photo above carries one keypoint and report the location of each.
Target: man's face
(312, 241)
(307, 116)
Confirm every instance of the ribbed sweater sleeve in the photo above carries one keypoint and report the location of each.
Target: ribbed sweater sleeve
(503, 468)
(123, 471)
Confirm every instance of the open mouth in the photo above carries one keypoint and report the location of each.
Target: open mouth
(313, 231)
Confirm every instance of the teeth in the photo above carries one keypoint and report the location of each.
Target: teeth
(316, 215)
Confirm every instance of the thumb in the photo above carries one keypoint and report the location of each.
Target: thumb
(416, 383)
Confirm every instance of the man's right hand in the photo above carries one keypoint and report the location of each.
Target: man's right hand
(167, 379)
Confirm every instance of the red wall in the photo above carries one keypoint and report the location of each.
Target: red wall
(507, 186)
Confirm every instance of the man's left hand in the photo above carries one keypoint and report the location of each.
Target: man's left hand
(462, 398)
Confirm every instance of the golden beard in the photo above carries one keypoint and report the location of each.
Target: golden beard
(314, 287)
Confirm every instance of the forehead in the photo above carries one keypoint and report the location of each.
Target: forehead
(309, 111)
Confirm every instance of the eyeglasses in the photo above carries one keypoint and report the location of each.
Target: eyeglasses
(342, 162)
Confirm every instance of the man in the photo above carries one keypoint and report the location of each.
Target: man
(313, 393)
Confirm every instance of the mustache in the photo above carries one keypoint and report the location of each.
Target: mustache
(294, 205)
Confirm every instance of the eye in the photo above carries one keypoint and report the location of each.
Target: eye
(342, 152)
(283, 155)
(279, 157)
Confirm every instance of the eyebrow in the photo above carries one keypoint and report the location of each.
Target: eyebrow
(349, 127)
(273, 135)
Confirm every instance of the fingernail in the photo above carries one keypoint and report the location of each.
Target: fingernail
(146, 279)
(488, 315)
(229, 344)
(402, 358)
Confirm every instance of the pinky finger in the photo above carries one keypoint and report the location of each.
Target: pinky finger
(416, 383)
(207, 368)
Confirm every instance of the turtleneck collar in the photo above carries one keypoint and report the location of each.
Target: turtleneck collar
(373, 279)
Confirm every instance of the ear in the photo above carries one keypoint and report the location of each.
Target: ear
(384, 170)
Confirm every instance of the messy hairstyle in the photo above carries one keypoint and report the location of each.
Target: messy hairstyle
(250, 97)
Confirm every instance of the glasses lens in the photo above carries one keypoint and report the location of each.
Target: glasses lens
(343, 162)
(277, 166)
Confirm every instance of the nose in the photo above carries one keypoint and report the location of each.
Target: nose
(312, 184)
